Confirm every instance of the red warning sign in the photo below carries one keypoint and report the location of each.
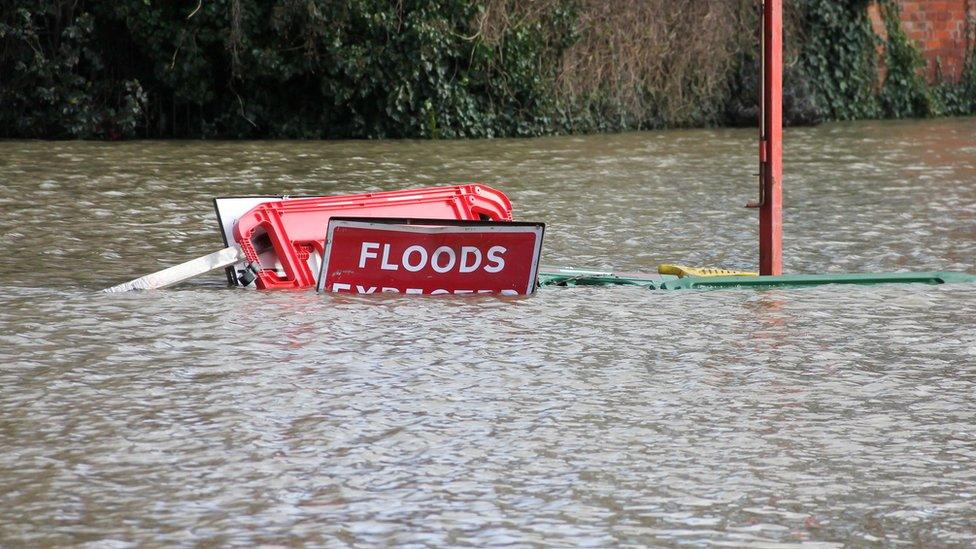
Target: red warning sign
(430, 256)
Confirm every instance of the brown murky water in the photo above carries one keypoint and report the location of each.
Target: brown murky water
(579, 416)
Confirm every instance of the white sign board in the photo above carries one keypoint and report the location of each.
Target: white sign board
(229, 209)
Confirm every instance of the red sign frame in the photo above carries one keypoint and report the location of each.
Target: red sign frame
(365, 255)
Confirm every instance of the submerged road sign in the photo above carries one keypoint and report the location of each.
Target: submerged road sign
(430, 256)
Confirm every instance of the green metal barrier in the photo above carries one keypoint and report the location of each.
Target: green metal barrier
(800, 280)
(576, 277)
(579, 277)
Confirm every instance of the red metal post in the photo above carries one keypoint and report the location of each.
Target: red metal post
(771, 142)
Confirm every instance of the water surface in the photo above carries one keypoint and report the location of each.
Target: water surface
(580, 416)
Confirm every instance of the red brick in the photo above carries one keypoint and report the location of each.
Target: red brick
(940, 30)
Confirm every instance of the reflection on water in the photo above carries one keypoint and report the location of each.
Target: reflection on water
(584, 416)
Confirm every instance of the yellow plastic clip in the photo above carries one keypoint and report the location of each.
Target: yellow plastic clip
(681, 271)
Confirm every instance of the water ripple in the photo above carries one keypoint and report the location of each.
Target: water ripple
(581, 416)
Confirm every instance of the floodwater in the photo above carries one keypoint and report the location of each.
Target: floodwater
(580, 416)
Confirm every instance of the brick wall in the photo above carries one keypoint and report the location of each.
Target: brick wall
(943, 29)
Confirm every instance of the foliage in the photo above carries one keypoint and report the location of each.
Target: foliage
(299, 68)
(905, 92)
(839, 55)
(800, 103)
(958, 98)
(56, 80)
(438, 68)
(653, 63)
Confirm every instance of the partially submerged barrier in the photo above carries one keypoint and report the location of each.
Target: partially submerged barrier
(295, 229)
(578, 277)
(283, 243)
